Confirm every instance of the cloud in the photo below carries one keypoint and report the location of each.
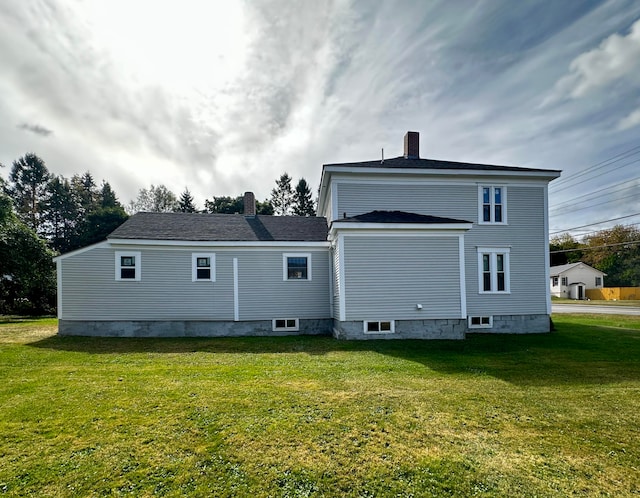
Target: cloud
(630, 120)
(36, 128)
(616, 58)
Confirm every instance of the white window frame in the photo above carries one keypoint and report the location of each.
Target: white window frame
(492, 202)
(285, 267)
(392, 330)
(564, 281)
(555, 281)
(481, 325)
(287, 327)
(137, 265)
(493, 253)
(194, 266)
(598, 281)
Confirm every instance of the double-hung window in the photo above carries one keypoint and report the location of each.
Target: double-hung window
(598, 281)
(493, 274)
(492, 205)
(128, 265)
(555, 281)
(203, 267)
(296, 266)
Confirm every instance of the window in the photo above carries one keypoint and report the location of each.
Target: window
(128, 265)
(289, 324)
(379, 327)
(598, 281)
(296, 266)
(493, 264)
(554, 281)
(203, 267)
(565, 280)
(480, 322)
(493, 201)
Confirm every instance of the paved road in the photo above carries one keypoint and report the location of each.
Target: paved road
(593, 308)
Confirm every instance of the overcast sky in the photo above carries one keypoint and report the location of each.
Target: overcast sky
(222, 97)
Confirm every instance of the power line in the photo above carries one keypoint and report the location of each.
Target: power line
(596, 176)
(571, 201)
(595, 223)
(575, 210)
(618, 157)
(631, 242)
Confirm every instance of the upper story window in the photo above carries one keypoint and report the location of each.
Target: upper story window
(203, 267)
(296, 266)
(493, 275)
(128, 265)
(493, 204)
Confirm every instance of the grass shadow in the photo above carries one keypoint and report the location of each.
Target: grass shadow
(574, 354)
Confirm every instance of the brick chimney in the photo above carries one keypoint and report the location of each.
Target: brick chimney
(412, 145)
(249, 204)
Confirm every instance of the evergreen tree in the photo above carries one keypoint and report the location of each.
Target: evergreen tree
(282, 195)
(185, 203)
(86, 191)
(28, 182)
(302, 202)
(60, 214)
(107, 197)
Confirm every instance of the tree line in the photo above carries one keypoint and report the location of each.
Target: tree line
(43, 214)
(285, 200)
(614, 251)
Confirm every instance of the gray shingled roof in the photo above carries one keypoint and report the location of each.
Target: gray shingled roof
(397, 217)
(554, 271)
(222, 227)
(417, 163)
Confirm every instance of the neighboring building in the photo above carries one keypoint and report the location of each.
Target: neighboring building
(401, 248)
(573, 279)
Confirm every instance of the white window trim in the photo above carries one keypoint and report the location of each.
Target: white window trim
(492, 201)
(138, 266)
(285, 274)
(493, 252)
(295, 328)
(194, 266)
(481, 325)
(365, 326)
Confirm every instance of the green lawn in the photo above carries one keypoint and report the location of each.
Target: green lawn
(539, 415)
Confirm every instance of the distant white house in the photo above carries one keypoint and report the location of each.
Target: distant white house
(573, 279)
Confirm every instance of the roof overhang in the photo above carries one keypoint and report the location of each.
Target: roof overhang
(399, 228)
(328, 170)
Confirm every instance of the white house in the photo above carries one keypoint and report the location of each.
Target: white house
(573, 279)
(401, 248)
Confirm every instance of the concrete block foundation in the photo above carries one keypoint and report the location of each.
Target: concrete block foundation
(177, 328)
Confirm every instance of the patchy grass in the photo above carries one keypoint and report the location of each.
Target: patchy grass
(537, 415)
